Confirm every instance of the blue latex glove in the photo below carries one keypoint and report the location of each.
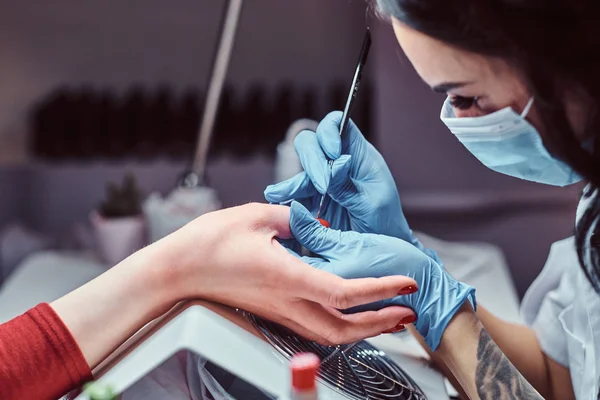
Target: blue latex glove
(364, 194)
(355, 255)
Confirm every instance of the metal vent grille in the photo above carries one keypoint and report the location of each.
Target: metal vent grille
(359, 370)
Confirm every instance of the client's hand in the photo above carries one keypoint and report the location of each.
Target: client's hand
(232, 257)
(355, 255)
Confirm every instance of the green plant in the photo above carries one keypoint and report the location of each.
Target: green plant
(98, 392)
(122, 201)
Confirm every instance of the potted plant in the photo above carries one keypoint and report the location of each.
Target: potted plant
(118, 222)
(94, 391)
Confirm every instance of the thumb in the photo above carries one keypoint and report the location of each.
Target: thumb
(313, 159)
(311, 234)
(351, 140)
(328, 134)
(296, 187)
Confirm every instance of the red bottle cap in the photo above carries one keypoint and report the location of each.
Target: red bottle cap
(304, 371)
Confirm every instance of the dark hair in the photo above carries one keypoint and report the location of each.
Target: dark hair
(555, 44)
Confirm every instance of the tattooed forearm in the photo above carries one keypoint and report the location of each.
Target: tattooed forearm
(495, 376)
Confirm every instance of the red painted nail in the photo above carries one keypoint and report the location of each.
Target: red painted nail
(408, 319)
(323, 222)
(407, 290)
(395, 329)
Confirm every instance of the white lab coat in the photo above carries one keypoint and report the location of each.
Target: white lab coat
(564, 310)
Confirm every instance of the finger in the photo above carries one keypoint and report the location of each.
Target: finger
(328, 134)
(313, 160)
(324, 287)
(353, 140)
(331, 327)
(297, 187)
(348, 293)
(372, 323)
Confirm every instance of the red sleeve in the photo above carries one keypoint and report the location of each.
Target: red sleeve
(39, 358)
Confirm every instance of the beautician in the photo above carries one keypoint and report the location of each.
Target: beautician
(522, 80)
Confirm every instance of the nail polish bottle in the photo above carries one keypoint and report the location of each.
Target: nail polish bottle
(304, 368)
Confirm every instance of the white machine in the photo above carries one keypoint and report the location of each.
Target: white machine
(255, 352)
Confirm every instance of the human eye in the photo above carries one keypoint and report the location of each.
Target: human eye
(463, 103)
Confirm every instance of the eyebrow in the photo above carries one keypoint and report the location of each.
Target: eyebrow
(448, 86)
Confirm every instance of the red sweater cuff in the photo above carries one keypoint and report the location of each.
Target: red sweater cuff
(39, 358)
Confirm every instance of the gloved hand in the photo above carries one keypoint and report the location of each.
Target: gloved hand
(365, 198)
(354, 255)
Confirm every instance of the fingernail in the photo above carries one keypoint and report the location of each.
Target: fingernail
(407, 290)
(395, 329)
(323, 222)
(408, 319)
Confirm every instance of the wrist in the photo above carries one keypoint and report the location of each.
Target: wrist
(158, 282)
(441, 298)
(124, 298)
(178, 264)
(461, 330)
(459, 347)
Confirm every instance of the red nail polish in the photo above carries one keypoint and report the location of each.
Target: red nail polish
(408, 319)
(407, 290)
(323, 222)
(395, 329)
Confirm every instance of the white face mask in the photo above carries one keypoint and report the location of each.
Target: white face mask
(506, 142)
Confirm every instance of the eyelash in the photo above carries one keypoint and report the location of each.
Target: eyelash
(463, 103)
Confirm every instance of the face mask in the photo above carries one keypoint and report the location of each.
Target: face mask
(506, 142)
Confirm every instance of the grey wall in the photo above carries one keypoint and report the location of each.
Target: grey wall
(115, 43)
(60, 196)
(13, 184)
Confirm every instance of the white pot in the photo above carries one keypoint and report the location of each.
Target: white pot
(118, 238)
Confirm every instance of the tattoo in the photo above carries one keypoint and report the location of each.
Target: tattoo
(496, 377)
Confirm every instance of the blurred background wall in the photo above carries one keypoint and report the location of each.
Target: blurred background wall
(311, 43)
